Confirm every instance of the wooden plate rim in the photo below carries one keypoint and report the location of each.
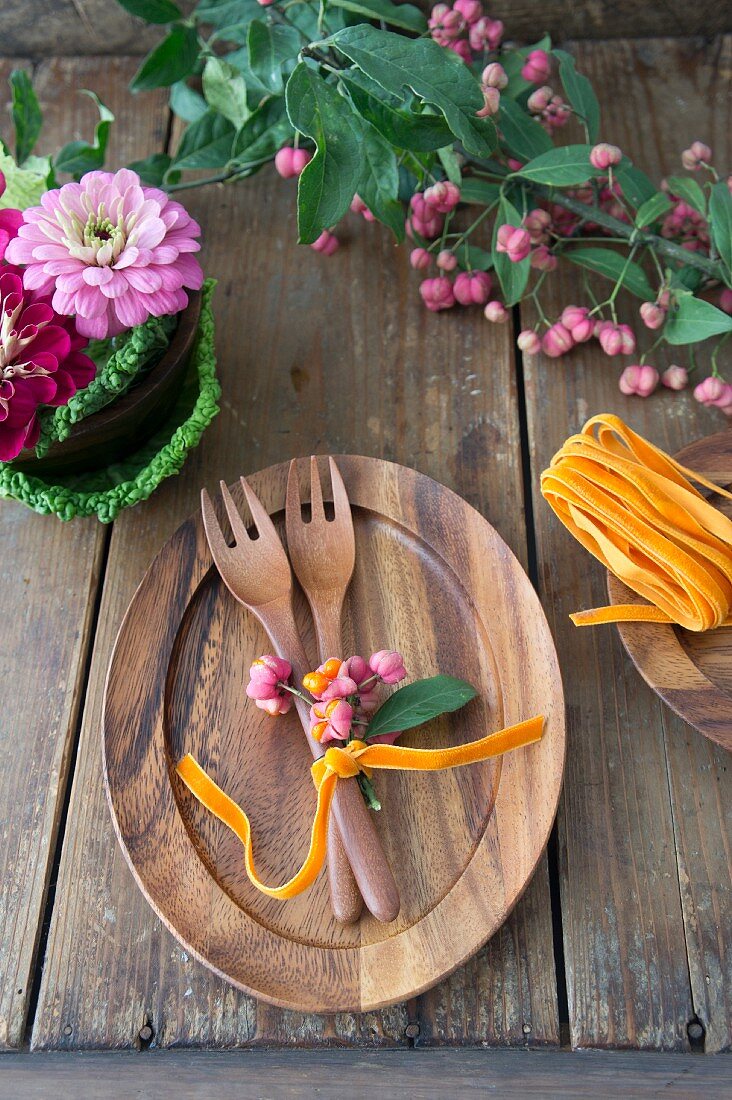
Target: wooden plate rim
(365, 967)
(641, 638)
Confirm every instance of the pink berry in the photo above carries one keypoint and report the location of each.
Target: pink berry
(437, 293)
(446, 260)
(419, 259)
(725, 300)
(496, 312)
(604, 156)
(627, 340)
(652, 315)
(529, 342)
(300, 157)
(442, 197)
(485, 34)
(638, 379)
(556, 341)
(462, 49)
(537, 67)
(472, 288)
(515, 242)
(326, 243)
(542, 259)
(539, 100)
(471, 10)
(710, 390)
(388, 665)
(675, 377)
(537, 223)
(697, 154)
(494, 76)
(284, 162)
(491, 103)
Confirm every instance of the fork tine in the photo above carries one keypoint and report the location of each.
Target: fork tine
(293, 507)
(214, 534)
(341, 503)
(261, 517)
(238, 527)
(316, 490)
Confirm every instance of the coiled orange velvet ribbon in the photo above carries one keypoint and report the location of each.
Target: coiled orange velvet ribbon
(634, 507)
(343, 762)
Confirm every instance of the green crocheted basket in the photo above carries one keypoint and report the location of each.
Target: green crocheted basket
(105, 492)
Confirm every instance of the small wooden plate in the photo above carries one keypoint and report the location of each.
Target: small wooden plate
(434, 580)
(691, 672)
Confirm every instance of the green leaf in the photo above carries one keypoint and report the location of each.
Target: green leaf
(637, 187)
(378, 186)
(328, 183)
(225, 91)
(420, 133)
(695, 320)
(269, 47)
(169, 62)
(652, 209)
(437, 75)
(398, 15)
(480, 192)
(580, 93)
(24, 186)
(223, 13)
(522, 135)
(451, 164)
(206, 143)
(611, 264)
(513, 277)
(472, 258)
(153, 169)
(26, 112)
(419, 702)
(153, 11)
(79, 157)
(688, 190)
(185, 103)
(561, 167)
(720, 219)
(263, 133)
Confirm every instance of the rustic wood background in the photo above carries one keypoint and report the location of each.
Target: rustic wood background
(42, 28)
(623, 939)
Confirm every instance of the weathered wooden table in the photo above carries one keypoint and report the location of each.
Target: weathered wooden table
(623, 942)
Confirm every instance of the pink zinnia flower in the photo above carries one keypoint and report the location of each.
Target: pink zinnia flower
(40, 361)
(10, 221)
(112, 252)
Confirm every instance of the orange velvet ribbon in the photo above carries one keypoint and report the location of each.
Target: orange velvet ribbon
(634, 507)
(343, 762)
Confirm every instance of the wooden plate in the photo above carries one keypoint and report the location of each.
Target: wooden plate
(691, 672)
(434, 580)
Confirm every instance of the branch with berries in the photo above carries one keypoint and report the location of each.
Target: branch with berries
(448, 135)
(343, 697)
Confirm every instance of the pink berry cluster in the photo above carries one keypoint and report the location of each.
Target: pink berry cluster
(343, 693)
(548, 108)
(464, 28)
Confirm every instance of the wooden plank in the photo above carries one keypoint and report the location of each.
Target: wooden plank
(41, 27)
(315, 354)
(390, 1075)
(50, 575)
(641, 791)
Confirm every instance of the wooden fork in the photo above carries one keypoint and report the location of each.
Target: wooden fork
(257, 573)
(323, 554)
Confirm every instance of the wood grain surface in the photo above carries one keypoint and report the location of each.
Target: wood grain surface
(433, 577)
(313, 356)
(39, 28)
(636, 905)
(691, 672)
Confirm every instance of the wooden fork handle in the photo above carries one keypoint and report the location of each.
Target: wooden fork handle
(358, 832)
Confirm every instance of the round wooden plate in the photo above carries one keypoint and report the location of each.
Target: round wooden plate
(432, 579)
(691, 672)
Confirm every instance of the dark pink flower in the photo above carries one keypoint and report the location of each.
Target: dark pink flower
(10, 221)
(41, 362)
(112, 252)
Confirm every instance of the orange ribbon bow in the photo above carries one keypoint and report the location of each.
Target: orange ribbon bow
(343, 762)
(633, 507)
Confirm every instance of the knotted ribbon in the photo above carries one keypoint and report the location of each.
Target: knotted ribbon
(344, 762)
(634, 508)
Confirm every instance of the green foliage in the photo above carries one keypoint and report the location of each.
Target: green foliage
(405, 16)
(564, 166)
(153, 11)
(169, 62)
(329, 182)
(580, 94)
(26, 114)
(720, 212)
(420, 702)
(513, 277)
(652, 209)
(207, 143)
(225, 91)
(689, 190)
(269, 48)
(694, 320)
(79, 157)
(614, 265)
(522, 134)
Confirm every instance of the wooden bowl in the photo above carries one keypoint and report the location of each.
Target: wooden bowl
(123, 426)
